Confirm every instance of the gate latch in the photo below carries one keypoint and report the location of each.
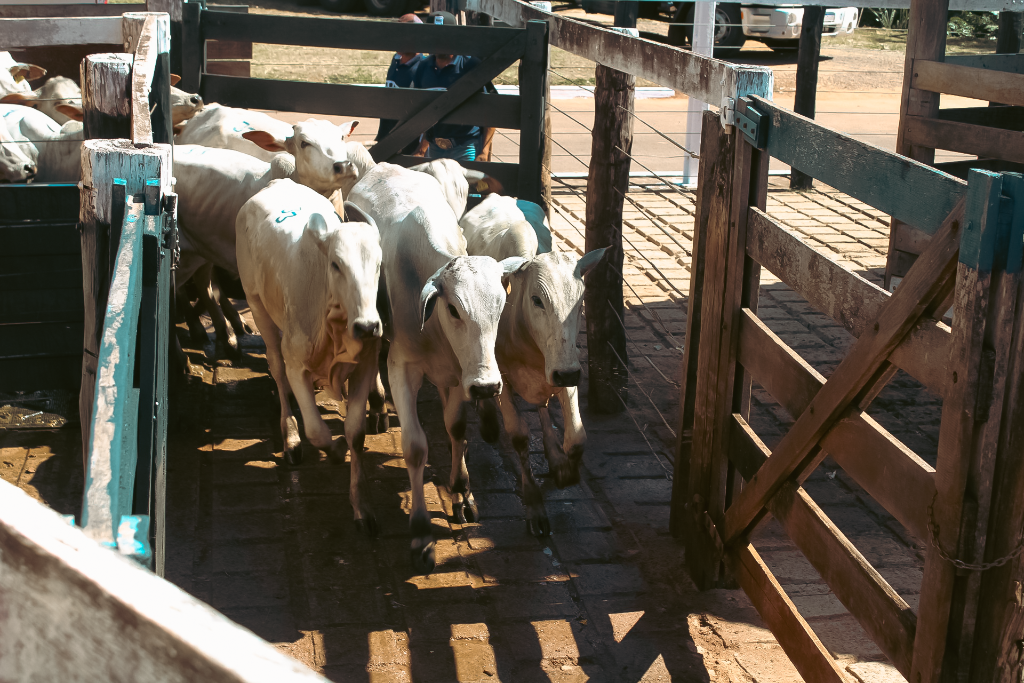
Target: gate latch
(752, 123)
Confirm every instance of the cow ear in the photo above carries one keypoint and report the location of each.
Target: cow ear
(72, 111)
(588, 261)
(353, 214)
(175, 79)
(347, 128)
(428, 297)
(511, 266)
(27, 72)
(23, 98)
(316, 230)
(265, 140)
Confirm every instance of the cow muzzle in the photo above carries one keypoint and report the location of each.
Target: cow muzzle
(479, 392)
(565, 378)
(344, 168)
(366, 329)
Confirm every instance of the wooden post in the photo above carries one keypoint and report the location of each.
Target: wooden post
(174, 8)
(157, 123)
(1009, 34)
(533, 86)
(106, 80)
(714, 182)
(193, 48)
(926, 39)
(607, 185)
(807, 78)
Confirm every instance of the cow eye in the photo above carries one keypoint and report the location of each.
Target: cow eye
(304, 144)
(454, 312)
(335, 267)
(537, 302)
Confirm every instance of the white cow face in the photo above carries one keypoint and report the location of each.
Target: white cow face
(323, 158)
(184, 105)
(468, 295)
(15, 165)
(353, 271)
(551, 291)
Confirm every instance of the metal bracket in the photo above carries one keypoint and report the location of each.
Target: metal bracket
(727, 113)
(753, 124)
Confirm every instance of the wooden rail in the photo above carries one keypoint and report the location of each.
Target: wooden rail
(975, 248)
(44, 32)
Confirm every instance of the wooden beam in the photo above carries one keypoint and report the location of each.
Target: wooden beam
(15, 33)
(891, 473)
(913, 192)
(980, 84)
(148, 35)
(844, 296)
(1007, 118)
(804, 649)
(926, 285)
(499, 111)
(718, 146)
(886, 617)
(106, 95)
(228, 49)
(966, 138)
(994, 62)
(69, 10)
(702, 78)
(808, 54)
(238, 69)
(534, 142)
(607, 184)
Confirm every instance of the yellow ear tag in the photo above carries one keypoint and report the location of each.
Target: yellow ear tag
(19, 78)
(481, 186)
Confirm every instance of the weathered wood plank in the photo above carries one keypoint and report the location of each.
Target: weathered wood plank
(806, 652)
(239, 69)
(147, 35)
(844, 296)
(808, 54)
(533, 133)
(927, 284)
(886, 617)
(38, 32)
(106, 615)
(1007, 118)
(966, 138)
(106, 95)
(954, 79)
(69, 10)
(354, 34)
(1010, 63)
(499, 111)
(891, 473)
(702, 78)
(960, 426)
(908, 190)
(228, 49)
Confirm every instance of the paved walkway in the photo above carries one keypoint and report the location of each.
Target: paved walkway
(606, 598)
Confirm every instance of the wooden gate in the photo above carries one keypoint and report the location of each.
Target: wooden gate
(967, 508)
(415, 110)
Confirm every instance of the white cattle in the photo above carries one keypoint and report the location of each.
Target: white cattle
(456, 181)
(225, 127)
(536, 347)
(443, 312)
(311, 282)
(59, 98)
(55, 150)
(15, 165)
(213, 184)
(15, 76)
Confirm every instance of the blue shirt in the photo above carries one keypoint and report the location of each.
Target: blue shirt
(400, 76)
(430, 77)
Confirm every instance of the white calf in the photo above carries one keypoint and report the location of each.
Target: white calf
(536, 348)
(456, 180)
(444, 307)
(311, 282)
(55, 150)
(15, 76)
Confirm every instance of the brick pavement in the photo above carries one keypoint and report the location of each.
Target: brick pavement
(606, 598)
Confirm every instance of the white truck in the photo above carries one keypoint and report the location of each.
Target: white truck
(777, 26)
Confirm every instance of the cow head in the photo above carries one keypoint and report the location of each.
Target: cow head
(324, 160)
(15, 165)
(548, 295)
(353, 271)
(184, 105)
(467, 295)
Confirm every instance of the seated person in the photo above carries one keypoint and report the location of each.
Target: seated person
(400, 75)
(437, 72)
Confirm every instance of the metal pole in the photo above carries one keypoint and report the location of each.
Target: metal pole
(703, 44)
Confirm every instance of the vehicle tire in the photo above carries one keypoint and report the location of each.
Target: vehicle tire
(386, 8)
(729, 36)
(782, 45)
(340, 5)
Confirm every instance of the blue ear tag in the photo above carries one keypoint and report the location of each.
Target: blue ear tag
(438, 21)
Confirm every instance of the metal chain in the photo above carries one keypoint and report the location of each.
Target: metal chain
(933, 530)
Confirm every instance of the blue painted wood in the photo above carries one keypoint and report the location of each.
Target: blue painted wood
(1013, 186)
(905, 189)
(980, 234)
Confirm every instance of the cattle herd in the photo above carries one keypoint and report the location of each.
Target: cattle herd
(339, 257)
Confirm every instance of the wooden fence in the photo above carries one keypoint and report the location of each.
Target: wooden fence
(967, 509)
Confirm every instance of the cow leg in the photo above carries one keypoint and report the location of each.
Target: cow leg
(405, 387)
(575, 436)
(291, 442)
(317, 431)
(378, 408)
(190, 313)
(533, 499)
(360, 383)
(565, 471)
(231, 313)
(209, 294)
(463, 506)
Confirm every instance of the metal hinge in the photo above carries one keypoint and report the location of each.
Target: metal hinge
(752, 123)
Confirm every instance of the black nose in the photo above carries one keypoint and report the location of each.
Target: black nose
(195, 99)
(562, 378)
(480, 391)
(30, 169)
(341, 166)
(365, 330)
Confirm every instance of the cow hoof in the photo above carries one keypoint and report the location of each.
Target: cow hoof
(423, 558)
(466, 513)
(377, 424)
(566, 475)
(293, 456)
(368, 526)
(576, 453)
(540, 527)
